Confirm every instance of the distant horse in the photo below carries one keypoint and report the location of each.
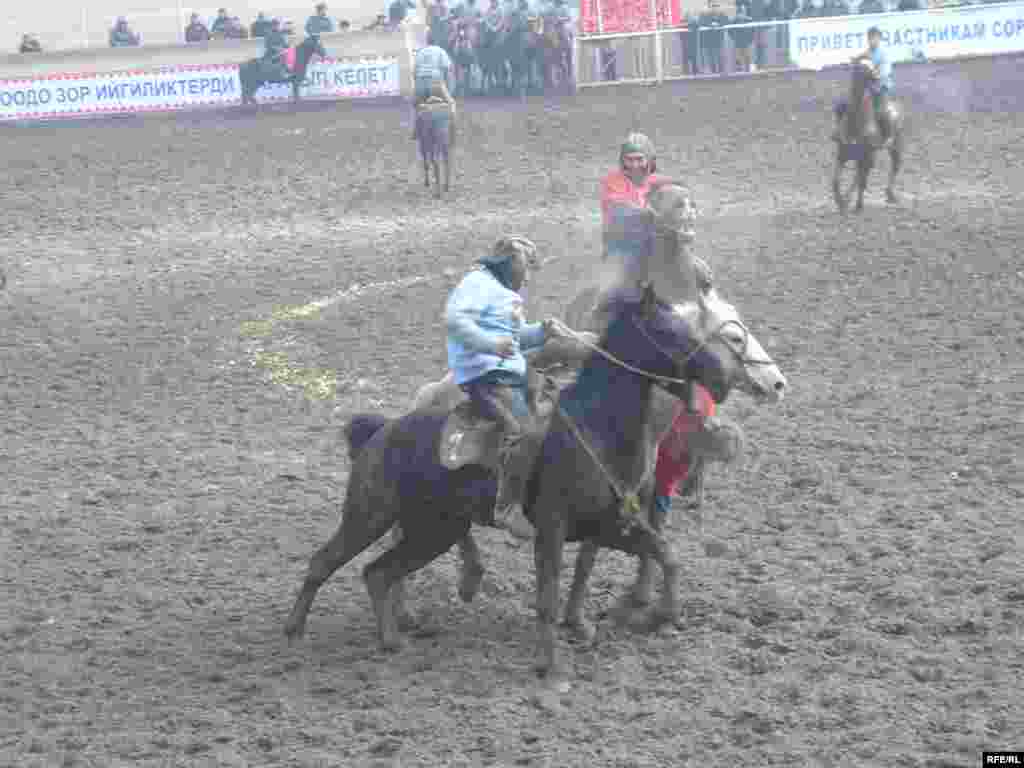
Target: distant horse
(254, 74)
(860, 138)
(590, 481)
(435, 133)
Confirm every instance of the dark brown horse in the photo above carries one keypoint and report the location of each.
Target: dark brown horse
(591, 479)
(859, 138)
(435, 133)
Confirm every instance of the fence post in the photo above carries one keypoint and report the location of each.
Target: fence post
(574, 64)
(658, 64)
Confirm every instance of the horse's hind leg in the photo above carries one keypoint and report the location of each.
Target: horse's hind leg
(411, 554)
(472, 570)
(446, 158)
(579, 628)
(356, 532)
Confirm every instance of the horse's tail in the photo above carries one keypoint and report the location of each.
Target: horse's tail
(361, 428)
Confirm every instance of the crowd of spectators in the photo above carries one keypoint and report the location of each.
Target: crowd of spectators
(703, 40)
(227, 27)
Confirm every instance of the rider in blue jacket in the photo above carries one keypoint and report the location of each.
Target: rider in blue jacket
(487, 335)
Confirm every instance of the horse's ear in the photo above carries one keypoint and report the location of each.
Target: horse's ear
(648, 300)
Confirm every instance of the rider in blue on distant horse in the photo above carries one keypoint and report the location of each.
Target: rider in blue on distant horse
(275, 44)
(431, 72)
(881, 85)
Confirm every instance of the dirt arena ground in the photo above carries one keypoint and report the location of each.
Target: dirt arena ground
(171, 454)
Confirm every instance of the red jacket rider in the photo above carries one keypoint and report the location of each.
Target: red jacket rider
(627, 186)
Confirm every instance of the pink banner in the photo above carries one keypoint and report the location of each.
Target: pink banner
(628, 15)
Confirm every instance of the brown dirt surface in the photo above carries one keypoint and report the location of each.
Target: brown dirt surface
(171, 446)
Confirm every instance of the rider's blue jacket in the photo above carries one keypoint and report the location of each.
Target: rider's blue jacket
(479, 312)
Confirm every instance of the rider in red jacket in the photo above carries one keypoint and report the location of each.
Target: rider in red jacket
(674, 457)
(624, 191)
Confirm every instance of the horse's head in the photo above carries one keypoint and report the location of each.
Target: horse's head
(650, 336)
(860, 75)
(674, 210)
(746, 364)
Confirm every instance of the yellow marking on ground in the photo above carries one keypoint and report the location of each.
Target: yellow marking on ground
(303, 312)
(256, 328)
(317, 383)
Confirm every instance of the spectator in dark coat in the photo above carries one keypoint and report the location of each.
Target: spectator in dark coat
(261, 26)
(910, 5)
(712, 36)
(219, 28)
(836, 8)
(29, 44)
(808, 11)
(742, 39)
(121, 36)
(235, 30)
(691, 45)
(871, 6)
(196, 31)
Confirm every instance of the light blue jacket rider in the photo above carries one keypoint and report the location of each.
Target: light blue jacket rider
(480, 311)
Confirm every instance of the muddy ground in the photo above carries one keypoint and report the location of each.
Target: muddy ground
(171, 448)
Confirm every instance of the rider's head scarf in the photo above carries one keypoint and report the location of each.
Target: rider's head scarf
(638, 143)
(500, 257)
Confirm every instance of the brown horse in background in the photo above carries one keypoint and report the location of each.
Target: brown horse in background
(859, 138)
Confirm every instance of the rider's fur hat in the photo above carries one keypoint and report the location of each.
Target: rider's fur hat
(507, 247)
(639, 143)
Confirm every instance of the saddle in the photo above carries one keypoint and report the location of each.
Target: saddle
(469, 437)
(433, 104)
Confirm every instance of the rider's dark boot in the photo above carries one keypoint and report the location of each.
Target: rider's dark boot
(511, 476)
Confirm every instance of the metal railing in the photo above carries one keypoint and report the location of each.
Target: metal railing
(668, 54)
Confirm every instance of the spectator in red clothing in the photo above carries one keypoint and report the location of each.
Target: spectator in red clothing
(196, 31)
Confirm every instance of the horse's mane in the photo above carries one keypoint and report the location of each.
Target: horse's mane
(859, 110)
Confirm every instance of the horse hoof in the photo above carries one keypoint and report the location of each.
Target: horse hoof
(293, 631)
(658, 619)
(407, 622)
(890, 197)
(469, 583)
(627, 609)
(580, 631)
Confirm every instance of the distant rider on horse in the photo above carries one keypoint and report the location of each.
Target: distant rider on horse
(487, 335)
(432, 71)
(881, 84)
(275, 44)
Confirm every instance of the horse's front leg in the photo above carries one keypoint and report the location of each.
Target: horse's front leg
(547, 552)
(837, 190)
(472, 569)
(579, 628)
(654, 545)
(863, 171)
(895, 161)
